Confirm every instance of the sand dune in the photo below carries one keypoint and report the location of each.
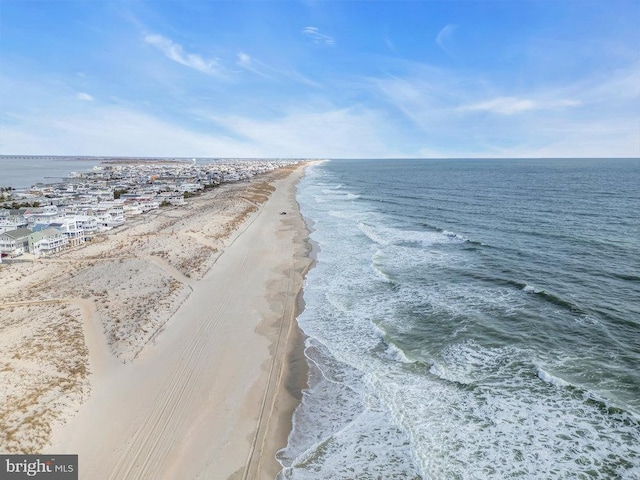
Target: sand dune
(189, 320)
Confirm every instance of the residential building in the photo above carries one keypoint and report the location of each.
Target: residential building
(15, 242)
(47, 241)
(11, 220)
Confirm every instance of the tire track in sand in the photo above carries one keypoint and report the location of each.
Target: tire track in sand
(156, 437)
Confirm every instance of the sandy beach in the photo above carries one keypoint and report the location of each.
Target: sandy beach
(167, 349)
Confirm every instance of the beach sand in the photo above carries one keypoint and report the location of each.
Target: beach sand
(166, 350)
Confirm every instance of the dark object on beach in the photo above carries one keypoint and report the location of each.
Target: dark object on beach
(283, 213)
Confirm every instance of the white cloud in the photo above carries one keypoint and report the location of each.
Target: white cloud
(514, 105)
(317, 37)
(389, 43)
(444, 38)
(251, 65)
(596, 116)
(84, 97)
(420, 111)
(175, 52)
(259, 68)
(244, 60)
(318, 130)
(621, 85)
(578, 138)
(111, 131)
(298, 77)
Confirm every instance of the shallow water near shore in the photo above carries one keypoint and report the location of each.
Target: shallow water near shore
(470, 319)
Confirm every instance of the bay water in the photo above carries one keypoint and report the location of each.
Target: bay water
(25, 171)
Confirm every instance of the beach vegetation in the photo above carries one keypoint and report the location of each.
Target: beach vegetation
(16, 205)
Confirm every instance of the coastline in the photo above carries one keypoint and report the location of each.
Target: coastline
(289, 359)
(187, 399)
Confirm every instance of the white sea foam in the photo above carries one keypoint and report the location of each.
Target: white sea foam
(460, 301)
(386, 235)
(454, 236)
(551, 379)
(468, 362)
(588, 320)
(377, 330)
(397, 354)
(485, 414)
(349, 453)
(530, 289)
(374, 234)
(441, 372)
(457, 433)
(377, 264)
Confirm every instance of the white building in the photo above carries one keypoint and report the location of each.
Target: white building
(190, 187)
(109, 215)
(47, 241)
(172, 197)
(12, 222)
(15, 242)
(46, 214)
(71, 228)
(88, 223)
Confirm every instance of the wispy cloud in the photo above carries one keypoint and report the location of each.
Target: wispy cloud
(389, 43)
(176, 52)
(439, 104)
(244, 60)
(252, 65)
(316, 130)
(444, 38)
(112, 130)
(514, 105)
(85, 97)
(317, 37)
(287, 128)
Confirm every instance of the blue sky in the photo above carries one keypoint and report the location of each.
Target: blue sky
(323, 79)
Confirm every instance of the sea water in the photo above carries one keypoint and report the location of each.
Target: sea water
(470, 319)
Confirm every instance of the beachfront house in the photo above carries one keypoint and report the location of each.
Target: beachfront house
(109, 215)
(47, 241)
(171, 197)
(15, 242)
(72, 229)
(88, 223)
(12, 220)
(190, 187)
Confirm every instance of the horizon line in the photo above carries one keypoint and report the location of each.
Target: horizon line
(188, 157)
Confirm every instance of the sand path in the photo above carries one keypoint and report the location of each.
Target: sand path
(100, 359)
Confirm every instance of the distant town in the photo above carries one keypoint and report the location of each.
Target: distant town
(50, 217)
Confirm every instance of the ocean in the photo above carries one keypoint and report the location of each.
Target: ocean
(470, 319)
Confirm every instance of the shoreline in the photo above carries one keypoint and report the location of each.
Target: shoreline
(294, 377)
(189, 400)
(291, 365)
